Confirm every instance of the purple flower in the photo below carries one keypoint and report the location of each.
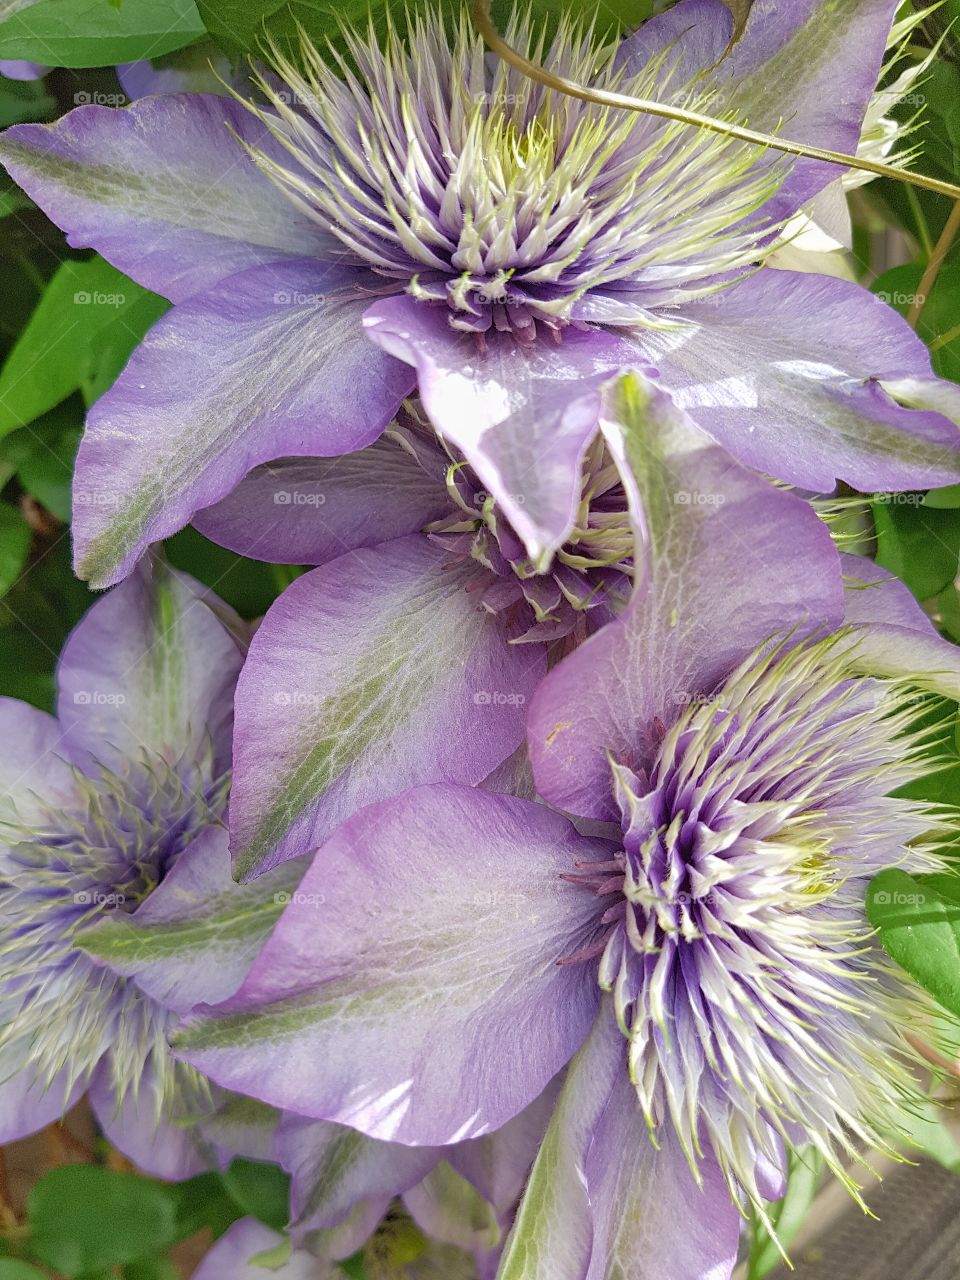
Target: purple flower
(119, 911)
(509, 253)
(702, 959)
(412, 654)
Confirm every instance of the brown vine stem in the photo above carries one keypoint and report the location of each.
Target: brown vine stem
(937, 259)
(647, 106)
(8, 1216)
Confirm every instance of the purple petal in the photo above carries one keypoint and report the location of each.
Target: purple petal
(34, 775)
(783, 370)
(603, 1201)
(898, 640)
(411, 990)
(150, 667)
(162, 189)
(271, 362)
(447, 1209)
(311, 510)
(17, 70)
(231, 1257)
(333, 1169)
(377, 672)
(163, 1146)
(27, 1102)
(195, 936)
(804, 70)
(732, 561)
(521, 417)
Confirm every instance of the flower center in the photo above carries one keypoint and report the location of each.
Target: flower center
(470, 186)
(731, 929)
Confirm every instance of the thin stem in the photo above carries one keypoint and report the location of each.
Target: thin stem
(937, 258)
(8, 1216)
(607, 98)
(919, 218)
(943, 339)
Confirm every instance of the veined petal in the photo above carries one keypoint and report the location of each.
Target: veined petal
(28, 1100)
(333, 1169)
(151, 667)
(784, 370)
(311, 510)
(374, 673)
(730, 562)
(522, 417)
(271, 362)
(197, 933)
(411, 990)
(34, 773)
(805, 70)
(603, 1201)
(162, 189)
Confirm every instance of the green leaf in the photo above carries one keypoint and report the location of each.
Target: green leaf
(87, 322)
(22, 100)
(83, 1217)
(918, 543)
(249, 586)
(46, 473)
(260, 1190)
(918, 923)
(15, 539)
(203, 1202)
(90, 33)
(12, 1269)
(151, 1269)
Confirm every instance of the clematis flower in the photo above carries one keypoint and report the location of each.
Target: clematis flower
(119, 912)
(412, 654)
(703, 961)
(432, 220)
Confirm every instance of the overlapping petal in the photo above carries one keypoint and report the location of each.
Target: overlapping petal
(374, 673)
(423, 943)
(730, 561)
(163, 189)
(270, 363)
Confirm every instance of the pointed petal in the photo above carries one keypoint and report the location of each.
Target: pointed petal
(271, 362)
(150, 667)
(163, 1146)
(732, 561)
(162, 189)
(375, 673)
(602, 1201)
(897, 639)
(783, 370)
(196, 935)
(804, 70)
(411, 990)
(522, 418)
(27, 1102)
(311, 510)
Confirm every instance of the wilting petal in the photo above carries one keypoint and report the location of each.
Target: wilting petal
(311, 510)
(162, 189)
(231, 1257)
(804, 70)
(521, 417)
(372, 674)
(150, 667)
(196, 935)
(271, 362)
(731, 561)
(334, 1169)
(783, 370)
(602, 1201)
(898, 639)
(412, 988)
